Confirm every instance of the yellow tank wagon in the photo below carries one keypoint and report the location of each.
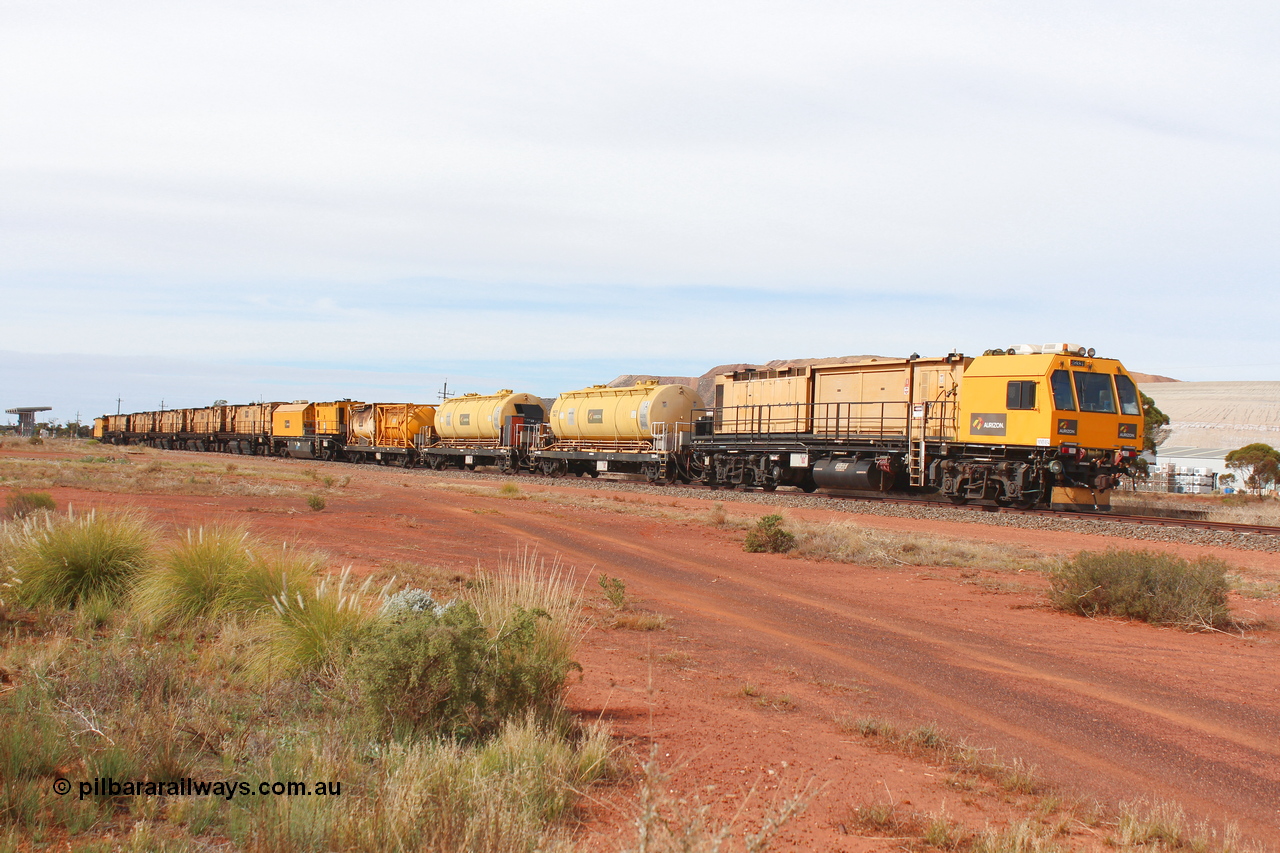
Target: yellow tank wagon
(487, 429)
(642, 428)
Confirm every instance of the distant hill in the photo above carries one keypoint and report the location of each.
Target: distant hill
(1144, 378)
(1218, 415)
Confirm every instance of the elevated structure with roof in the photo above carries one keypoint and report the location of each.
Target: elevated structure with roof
(27, 417)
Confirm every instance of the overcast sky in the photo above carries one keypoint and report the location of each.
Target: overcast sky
(281, 200)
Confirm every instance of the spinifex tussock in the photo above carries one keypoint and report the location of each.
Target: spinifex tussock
(192, 579)
(64, 560)
(271, 572)
(313, 632)
(217, 570)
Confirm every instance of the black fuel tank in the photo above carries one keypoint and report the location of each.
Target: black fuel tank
(851, 474)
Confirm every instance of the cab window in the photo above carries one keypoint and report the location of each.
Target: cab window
(1021, 394)
(1128, 395)
(1062, 399)
(1094, 392)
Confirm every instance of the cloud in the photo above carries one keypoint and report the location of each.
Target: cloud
(598, 184)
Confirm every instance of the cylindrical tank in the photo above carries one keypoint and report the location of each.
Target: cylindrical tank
(388, 424)
(478, 417)
(400, 423)
(360, 425)
(604, 413)
(863, 474)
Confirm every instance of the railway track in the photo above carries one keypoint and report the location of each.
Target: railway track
(785, 498)
(1118, 518)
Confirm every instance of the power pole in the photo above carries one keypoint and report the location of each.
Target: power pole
(117, 405)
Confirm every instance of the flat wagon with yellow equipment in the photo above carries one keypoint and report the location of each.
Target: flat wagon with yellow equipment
(306, 430)
(389, 433)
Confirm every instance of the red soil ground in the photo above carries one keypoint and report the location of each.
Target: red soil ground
(741, 695)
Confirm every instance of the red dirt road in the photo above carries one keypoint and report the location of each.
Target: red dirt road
(765, 653)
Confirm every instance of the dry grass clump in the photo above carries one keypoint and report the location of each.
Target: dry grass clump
(1149, 586)
(1250, 511)
(64, 561)
(312, 631)
(670, 824)
(846, 542)
(20, 504)
(217, 570)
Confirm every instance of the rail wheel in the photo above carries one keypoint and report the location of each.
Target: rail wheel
(958, 500)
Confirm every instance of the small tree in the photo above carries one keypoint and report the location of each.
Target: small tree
(1225, 481)
(1257, 463)
(1155, 424)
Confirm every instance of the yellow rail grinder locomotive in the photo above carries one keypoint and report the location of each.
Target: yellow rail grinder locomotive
(1030, 425)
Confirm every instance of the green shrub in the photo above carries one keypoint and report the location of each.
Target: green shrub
(615, 590)
(465, 668)
(768, 536)
(22, 504)
(1153, 587)
(445, 673)
(422, 672)
(316, 502)
(61, 561)
(525, 587)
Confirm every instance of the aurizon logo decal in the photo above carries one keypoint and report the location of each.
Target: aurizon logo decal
(988, 423)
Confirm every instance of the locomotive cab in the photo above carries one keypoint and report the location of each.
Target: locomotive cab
(1078, 417)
